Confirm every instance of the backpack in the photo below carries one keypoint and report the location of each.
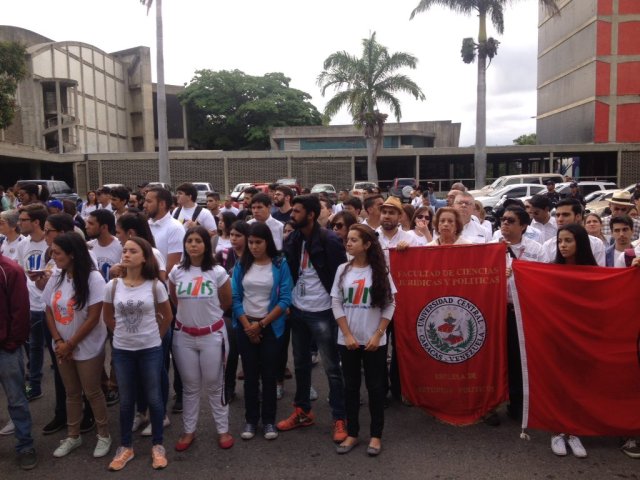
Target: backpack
(196, 213)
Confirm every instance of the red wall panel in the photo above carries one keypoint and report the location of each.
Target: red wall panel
(628, 123)
(603, 78)
(626, 7)
(629, 37)
(601, 123)
(603, 40)
(629, 78)
(605, 7)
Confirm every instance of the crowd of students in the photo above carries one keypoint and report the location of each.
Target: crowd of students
(162, 278)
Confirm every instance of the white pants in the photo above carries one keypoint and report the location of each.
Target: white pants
(200, 362)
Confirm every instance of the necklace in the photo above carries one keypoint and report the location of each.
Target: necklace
(130, 283)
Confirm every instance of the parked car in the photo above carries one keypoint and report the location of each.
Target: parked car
(498, 183)
(397, 188)
(164, 185)
(237, 191)
(113, 185)
(585, 188)
(329, 189)
(494, 199)
(600, 202)
(58, 189)
(203, 188)
(293, 183)
(360, 188)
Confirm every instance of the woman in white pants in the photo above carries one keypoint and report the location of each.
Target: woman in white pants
(202, 291)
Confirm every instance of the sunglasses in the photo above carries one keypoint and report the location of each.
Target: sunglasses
(338, 225)
(423, 217)
(509, 220)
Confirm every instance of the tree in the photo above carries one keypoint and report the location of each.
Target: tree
(483, 49)
(13, 68)
(526, 139)
(230, 110)
(364, 82)
(161, 97)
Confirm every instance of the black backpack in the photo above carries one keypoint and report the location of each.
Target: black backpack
(196, 212)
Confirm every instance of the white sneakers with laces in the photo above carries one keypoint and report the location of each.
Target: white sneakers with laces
(576, 447)
(67, 446)
(102, 447)
(559, 445)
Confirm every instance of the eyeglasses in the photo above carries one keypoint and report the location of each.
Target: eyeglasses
(509, 220)
(338, 226)
(423, 217)
(47, 230)
(463, 203)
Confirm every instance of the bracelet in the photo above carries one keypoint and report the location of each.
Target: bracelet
(380, 331)
(58, 340)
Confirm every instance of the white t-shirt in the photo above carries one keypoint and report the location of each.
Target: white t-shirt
(135, 315)
(353, 295)
(162, 264)
(87, 209)
(205, 218)
(231, 209)
(168, 234)
(257, 284)
(547, 230)
(597, 248)
(11, 249)
(59, 298)
(277, 230)
(418, 240)
(32, 258)
(106, 256)
(223, 243)
(618, 259)
(309, 293)
(197, 292)
(475, 233)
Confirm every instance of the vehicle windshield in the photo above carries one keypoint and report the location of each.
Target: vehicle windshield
(202, 187)
(594, 196)
(496, 183)
(240, 187)
(322, 188)
(403, 182)
(286, 181)
(364, 185)
(499, 192)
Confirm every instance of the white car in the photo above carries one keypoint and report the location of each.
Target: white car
(510, 191)
(203, 188)
(237, 191)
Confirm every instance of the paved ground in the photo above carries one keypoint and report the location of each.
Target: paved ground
(414, 446)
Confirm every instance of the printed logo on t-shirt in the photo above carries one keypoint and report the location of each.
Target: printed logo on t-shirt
(34, 260)
(132, 314)
(196, 287)
(63, 314)
(104, 265)
(358, 295)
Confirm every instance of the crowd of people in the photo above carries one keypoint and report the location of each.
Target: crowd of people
(164, 283)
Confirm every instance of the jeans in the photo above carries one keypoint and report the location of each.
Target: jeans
(36, 350)
(135, 367)
(375, 378)
(321, 326)
(12, 380)
(259, 362)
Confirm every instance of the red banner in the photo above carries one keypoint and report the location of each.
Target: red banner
(451, 329)
(580, 359)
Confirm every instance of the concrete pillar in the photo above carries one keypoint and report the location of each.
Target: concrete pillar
(226, 176)
(59, 117)
(184, 128)
(418, 168)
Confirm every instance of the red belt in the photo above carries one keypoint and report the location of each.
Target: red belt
(198, 332)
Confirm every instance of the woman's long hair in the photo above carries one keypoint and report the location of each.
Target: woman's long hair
(150, 270)
(421, 211)
(37, 193)
(380, 286)
(138, 223)
(260, 230)
(72, 244)
(208, 261)
(584, 255)
(95, 198)
(227, 220)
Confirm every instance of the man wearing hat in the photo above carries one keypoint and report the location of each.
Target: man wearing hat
(575, 193)
(389, 232)
(551, 194)
(620, 204)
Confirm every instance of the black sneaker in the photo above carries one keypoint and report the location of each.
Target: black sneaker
(27, 459)
(177, 406)
(54, 426)
(87, 424)
(31, 394)
(112, 397)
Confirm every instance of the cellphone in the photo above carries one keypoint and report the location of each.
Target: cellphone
(629, 255)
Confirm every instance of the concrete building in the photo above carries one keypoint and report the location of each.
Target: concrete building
(589, 73)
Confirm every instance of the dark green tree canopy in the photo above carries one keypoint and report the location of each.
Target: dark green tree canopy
(230, 110)
(13, 68)
(526, 139)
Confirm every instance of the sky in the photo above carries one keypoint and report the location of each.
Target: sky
(296, 36)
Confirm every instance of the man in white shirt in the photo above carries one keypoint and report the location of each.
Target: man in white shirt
(472, 230)
(189, 214)
(167, 231)
(101, 227)
(621, 228)
(390, 234)
(372, 206)
(228, 206)
(103, 197)
(119, 201)
(569, 210)
(12, 237)
(261, 211)
(542, 220)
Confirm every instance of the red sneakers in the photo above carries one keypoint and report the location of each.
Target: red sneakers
(297, 419)
(339, 431)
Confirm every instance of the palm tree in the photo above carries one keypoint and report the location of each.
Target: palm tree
(161, 97)
(364, 82)
(485, 48)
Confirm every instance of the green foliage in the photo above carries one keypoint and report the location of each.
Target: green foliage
(230, 110)
(468, 50)
(13, 68)
(489, 48)
(526, 139)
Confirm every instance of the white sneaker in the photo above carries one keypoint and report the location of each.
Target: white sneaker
(8, 429)
(102, 447)
(313, 395)
(139, 420)
(67, 445)
(576, 447)
(558, 445)
(147, 430)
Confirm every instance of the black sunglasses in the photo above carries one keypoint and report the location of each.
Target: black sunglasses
(425, 217)
(338, 225)
(509, 220)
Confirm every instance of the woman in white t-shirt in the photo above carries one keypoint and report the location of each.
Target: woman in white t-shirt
(136, 225)
(90, 205)
(137, 310)
(73, 298)
(224, 231)
(261, 295)
(202, 292)
(362, 299)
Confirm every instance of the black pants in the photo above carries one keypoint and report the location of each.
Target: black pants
(259, 362)
(232, 359)
(394, 371)
(375, 378)
(514, 365)
(283, 357)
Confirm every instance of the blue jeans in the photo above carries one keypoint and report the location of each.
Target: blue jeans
(164, 383)
(36, 350)
(12, 380)
(143, 367)
(321, 326)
